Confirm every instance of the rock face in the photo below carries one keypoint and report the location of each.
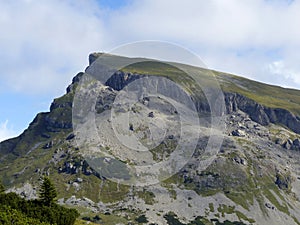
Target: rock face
(120, 79)
(239, 133)
(283, 181)
(291, 144)
(27, 191)
(234, 102)
(261, 114)
(93, 57)
(296, 144)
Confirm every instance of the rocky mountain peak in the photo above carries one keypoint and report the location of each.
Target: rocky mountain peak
(253, 179)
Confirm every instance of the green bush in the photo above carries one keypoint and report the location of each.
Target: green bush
(14, 208)
(141, 219)
(10, 216)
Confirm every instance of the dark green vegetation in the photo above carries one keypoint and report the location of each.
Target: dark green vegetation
(47, 192)
(141, 219)
(16, 210)
(2, 189)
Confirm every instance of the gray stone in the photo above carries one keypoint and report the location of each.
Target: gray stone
(79, 180)
(151, 115)
(287, 145)
(48, 145)
(296, 144)
(238, 133)
(279, 141)
(70, 136)
(244, 162)
(269, 206)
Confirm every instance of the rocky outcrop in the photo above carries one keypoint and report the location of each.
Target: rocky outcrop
(93, 57)
(261, 114)
(54, 125)
(233, 101)
(78, 166)
(238, 133)
(60, 115)
(27, 191)
(74, 83)
(290, 144)
(283, 181)
(120, 79)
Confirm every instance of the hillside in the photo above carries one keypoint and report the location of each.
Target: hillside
(253, 177)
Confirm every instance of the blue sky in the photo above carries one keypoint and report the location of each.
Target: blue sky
(113, 4)
(45, 43)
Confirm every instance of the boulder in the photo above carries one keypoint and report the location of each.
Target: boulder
(296, 144)
(238, 133)
(151, 115)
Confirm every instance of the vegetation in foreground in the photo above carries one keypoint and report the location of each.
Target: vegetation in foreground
(43, 211)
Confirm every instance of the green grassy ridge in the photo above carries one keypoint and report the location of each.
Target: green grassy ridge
(268, 95)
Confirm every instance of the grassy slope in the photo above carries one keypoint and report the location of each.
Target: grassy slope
(267, 95)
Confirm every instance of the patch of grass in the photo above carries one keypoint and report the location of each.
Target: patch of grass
(211, 207)
(283, 208)
(173, 194)
(112, 192)
(296, 220)
(147, 196)
(225, 209)
(242, 216)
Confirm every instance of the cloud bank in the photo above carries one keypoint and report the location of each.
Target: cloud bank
(44, 43)
(244, 37)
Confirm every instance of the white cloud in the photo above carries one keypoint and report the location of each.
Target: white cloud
(6, 132)
(279, 69)
(44, 43)
(233, 35)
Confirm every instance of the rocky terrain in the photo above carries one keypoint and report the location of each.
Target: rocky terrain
(253, 178)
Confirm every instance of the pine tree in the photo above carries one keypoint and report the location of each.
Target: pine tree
(47, 192)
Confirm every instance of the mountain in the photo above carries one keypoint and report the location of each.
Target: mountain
(254, 132)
